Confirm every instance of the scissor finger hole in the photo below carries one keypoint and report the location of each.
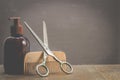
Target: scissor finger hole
(66, 67)
(42, 70)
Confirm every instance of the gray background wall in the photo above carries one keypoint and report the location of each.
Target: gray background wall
(119, 29)
(87, 30)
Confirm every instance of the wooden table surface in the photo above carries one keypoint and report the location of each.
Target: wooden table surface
(81, 72)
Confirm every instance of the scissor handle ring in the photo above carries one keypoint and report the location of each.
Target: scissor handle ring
(38, 71)
(64, 70)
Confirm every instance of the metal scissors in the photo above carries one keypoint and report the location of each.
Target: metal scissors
(65, 66)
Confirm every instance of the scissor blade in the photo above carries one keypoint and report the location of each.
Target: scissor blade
(45, 48)
(45, 37)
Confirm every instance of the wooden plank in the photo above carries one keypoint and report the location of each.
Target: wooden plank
(109, 72)
(81, 72)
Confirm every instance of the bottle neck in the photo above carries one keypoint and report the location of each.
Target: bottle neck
(16, 31)
(16, 35)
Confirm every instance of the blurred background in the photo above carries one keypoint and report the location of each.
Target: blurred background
(86, 30)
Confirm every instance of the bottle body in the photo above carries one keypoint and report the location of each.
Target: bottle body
(15, 48)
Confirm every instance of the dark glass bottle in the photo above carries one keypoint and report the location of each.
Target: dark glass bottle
(15, 48)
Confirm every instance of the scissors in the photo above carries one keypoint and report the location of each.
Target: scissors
(65, 66)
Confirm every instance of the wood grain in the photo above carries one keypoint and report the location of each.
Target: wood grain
(81, 72)
(34, 58)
